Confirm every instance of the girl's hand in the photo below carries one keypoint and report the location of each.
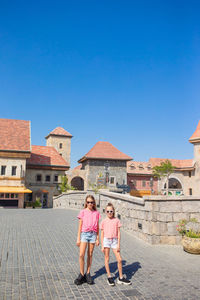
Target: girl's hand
(102, 249)
(118, 248)
(97, 242)
(78, 243)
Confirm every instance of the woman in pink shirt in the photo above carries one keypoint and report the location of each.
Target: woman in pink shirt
(88, 236)
(110, 238)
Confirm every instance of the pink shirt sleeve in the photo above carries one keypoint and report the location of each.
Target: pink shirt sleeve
(81, 214)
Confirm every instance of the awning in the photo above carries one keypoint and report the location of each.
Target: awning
(14, 190)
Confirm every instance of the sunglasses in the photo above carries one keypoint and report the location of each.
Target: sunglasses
(90, 202)
(109, 211)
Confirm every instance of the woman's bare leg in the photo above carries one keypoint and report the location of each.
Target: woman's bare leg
(89, 256)
(107, 256)
(119, 262)
(83, 246)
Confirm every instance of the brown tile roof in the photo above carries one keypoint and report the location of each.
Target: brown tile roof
(46, 156)
(60, 131)
(139, 167)
(78, 167)
(104, 150)
(196, 135)
(14, 135)
(178, 163)
(143, 167)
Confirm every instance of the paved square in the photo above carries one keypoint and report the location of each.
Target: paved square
(39, 260)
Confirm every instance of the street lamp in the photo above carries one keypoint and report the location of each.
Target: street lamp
(151, 185)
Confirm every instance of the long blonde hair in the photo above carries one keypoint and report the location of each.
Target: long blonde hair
(111, 205)
(93, 199)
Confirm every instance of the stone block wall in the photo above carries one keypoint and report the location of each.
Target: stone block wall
(151, 218)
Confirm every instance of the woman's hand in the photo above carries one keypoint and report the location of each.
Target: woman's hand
(97, 242)
(118, 248)
(102, 249)
(78, 243)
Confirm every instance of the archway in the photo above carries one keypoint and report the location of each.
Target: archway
(174, 184)
(78, 183)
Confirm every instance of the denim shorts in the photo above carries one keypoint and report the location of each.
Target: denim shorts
(88, 237)
(110, 243)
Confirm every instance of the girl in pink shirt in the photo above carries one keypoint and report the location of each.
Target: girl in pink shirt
(88, 236)
(110, 238)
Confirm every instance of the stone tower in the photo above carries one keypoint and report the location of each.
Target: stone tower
(195, 140)
(60, 139)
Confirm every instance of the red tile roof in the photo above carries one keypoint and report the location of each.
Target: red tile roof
(178, 163)
(60, 131)
(104, 150)
(139, 167)
(78, 167)
(143, 167)
(196, 135)
(14, 135)
(46, 156)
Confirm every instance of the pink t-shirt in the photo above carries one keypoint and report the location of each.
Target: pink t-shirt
(90, 219)
(110, 227)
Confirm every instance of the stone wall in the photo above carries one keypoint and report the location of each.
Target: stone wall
(151, 218)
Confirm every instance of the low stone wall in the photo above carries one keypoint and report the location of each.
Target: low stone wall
(151, 218)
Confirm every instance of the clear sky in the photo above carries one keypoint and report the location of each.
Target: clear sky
(127, 72)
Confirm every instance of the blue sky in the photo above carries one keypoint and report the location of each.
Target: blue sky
(127, 72)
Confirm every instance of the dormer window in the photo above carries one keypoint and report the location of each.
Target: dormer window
(141, 167)
(149, 167)
(132, 166)
(60, 145)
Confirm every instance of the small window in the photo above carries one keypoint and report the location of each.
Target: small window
(56, 178)
(190, 173)
(60, 145)
(134, 182)
(7, 195)
(48, 178)
(149, 167)
(3, 170)
(190, 192)
(143, 183)
(16, 196)
(141, 167)
(14, 170)
(2, 195)
(112, 180)
(12, 196)
(38, 177)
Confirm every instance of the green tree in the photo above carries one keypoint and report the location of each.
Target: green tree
(64, 186)
(164, 170)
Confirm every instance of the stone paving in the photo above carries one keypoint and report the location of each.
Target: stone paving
(39, 260)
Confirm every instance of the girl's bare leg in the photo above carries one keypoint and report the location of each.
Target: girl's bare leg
(89, 256)
(83, 246)
(107, 256)
(119, 262)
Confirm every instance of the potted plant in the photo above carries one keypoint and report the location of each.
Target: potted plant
(190, 231)
(37, 204)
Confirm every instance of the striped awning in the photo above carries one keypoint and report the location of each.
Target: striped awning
(14, 190)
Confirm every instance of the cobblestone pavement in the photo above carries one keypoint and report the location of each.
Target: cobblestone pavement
(39, 260)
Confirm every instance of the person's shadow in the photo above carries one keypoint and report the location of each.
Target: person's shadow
(128, 270)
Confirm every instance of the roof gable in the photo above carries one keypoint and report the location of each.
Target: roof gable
(105, 150)
(46, 156)
(195, 138)
(60, 132)
(15, 135)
